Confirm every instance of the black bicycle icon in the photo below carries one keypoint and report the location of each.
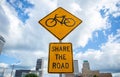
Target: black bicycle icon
(51, 22)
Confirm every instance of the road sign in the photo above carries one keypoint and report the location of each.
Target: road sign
(60, 22)
(60, 58)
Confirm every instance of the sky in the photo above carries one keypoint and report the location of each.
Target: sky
(96, 39)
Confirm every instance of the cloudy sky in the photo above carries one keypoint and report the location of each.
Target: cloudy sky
(96, 39)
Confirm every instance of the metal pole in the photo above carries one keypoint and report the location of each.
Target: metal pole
(60, 41)
(12, 70)
(60, 75)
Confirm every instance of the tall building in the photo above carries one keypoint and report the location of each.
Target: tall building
(39, 67)
(76, 68)
(39, 64)
(86, 69)
(2, 42)
(86, 66)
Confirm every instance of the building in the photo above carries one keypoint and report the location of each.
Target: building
(39, 64)
(22, 73)
(19, 73)
(86, 72)
(76, 70)
(38, 71)
(39, 67)
(2, 42)
(105, 75)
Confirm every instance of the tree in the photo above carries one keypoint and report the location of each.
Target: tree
(31, 75)
(95, 76)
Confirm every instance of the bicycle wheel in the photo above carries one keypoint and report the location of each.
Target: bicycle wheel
(50, 22)
(69, 22)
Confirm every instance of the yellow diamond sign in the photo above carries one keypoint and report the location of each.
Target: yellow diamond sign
(60, 22)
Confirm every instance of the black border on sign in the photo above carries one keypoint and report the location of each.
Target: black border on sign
(71, 54)
(67, 33)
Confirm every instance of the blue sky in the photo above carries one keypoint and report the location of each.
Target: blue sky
(20, 7)
(96, 39)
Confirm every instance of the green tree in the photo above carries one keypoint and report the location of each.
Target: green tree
(95, 76)
(31, 75)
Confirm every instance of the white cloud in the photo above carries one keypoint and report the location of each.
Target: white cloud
(105, 59)
(75, 7)
(4, 22)
(111, 6)
(14, 29)
(3, 65)
(116, 75)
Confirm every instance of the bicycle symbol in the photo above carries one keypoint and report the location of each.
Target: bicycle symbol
(51, 22)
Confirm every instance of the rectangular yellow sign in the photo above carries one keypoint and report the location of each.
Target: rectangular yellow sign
(60, 58)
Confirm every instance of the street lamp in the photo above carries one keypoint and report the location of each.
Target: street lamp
(12, 70)
(13, 65)
(3, 71)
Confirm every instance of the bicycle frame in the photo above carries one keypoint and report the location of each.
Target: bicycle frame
(62, 21)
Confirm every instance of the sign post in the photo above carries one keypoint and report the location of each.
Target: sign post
(60, 23)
